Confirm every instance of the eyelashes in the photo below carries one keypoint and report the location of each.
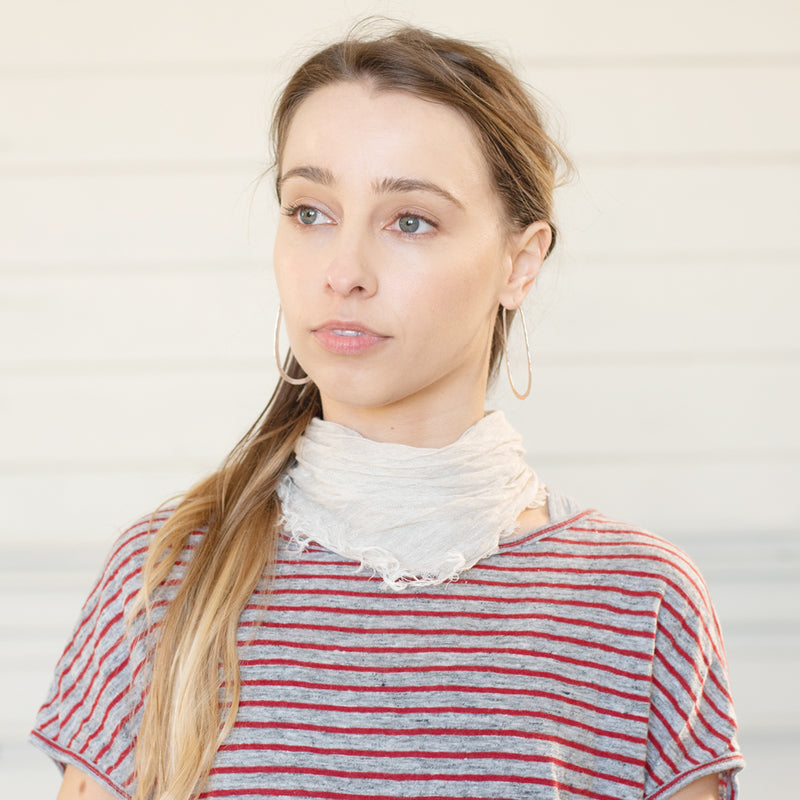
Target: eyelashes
(408, 222)
(305, 215)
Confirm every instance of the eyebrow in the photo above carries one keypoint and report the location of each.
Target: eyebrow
(383, 186)
(388, 185)
(313, 174)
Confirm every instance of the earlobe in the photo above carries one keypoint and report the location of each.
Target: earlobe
(528, 251)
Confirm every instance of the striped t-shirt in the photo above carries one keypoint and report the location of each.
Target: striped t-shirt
(584, 660)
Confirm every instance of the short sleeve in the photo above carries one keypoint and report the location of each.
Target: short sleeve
(692, 726)
(90, 716)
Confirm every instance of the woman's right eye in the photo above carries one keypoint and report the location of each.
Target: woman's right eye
(307, 215)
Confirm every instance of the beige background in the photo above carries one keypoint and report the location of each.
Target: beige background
(136, 300)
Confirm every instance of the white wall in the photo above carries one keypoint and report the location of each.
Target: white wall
(136, 301)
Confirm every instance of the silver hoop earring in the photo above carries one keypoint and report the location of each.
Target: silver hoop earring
(527, 391)
(283, 374)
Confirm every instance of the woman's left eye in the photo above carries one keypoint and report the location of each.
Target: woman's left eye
(411, 223)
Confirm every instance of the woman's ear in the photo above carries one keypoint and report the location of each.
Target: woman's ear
(527, 251)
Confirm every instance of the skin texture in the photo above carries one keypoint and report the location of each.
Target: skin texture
(348, 178)
(78, 786)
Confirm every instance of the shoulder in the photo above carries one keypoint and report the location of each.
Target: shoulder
(121, 572)
(620, 551)
(89, 716)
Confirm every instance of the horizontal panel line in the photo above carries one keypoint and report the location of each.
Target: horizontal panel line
(259, 67)
(119, 267)
(71, 169)
(70, 575)
(752, 457)
(85, 367)
(156, 167)
(573, 259)
(58, 556)
(765, 258)
(771, 638)
(154, 69)
(140, 366)
(677, 61)
(693, 159)
(724, 457)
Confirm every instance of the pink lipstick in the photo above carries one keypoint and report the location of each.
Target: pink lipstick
(346, 338)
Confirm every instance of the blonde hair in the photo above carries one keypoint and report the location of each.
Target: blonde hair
(194, 689)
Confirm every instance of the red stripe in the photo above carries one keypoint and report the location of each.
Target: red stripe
(124, 694)
(676, 740)
(516, 651)
(670, 668)
(112, 738)
(651, 740)
(702, 676)
(541, 533)
(718, 765)
(528, 673)
(652, 542)
(86, 765)
(90, 662)
(412, 776)
(538, 736)
(326, 795)
(681, 715)
(648, 768)
(424, 754)
(710, 640)
(607, 733)
(424, 632)
(620, 573)
(111, 675)
(61, 694)
(465, 689)
(426, 613)
(681, 562)
(485, 599)
(100, 727)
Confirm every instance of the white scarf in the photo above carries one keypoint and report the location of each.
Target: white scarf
(411, 514)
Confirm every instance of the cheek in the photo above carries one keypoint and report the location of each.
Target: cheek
(467, 286)
(288, 276)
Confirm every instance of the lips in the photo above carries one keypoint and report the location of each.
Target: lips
(347, 338)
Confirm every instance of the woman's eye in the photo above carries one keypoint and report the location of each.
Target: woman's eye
(410, 223)
(309, 216)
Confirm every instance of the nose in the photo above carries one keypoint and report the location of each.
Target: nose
(351, 266)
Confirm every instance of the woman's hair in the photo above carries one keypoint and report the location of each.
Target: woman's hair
(193, 695)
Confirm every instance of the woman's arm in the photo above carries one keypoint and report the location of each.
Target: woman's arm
(79, 786)
(706, 788)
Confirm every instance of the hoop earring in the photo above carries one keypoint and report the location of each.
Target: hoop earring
(281, 371)
(527, 355)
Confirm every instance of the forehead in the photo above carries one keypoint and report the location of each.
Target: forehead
(354, 127)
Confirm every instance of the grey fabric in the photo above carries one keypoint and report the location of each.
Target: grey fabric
(583, 660)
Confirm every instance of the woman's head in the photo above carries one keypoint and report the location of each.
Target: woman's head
(407, 108)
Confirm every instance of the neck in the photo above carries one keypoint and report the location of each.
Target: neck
(407, 423)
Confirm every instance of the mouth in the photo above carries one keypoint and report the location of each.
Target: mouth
(346, 338)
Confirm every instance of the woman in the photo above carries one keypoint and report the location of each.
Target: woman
(530, 648)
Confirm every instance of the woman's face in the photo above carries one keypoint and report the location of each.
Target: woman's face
(391, 258)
